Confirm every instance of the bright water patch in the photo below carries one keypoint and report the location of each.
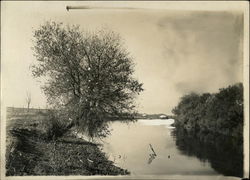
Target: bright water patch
(157, 122)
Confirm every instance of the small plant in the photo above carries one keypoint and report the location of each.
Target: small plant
(57, 125)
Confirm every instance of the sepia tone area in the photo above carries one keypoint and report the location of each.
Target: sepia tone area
(128, 90)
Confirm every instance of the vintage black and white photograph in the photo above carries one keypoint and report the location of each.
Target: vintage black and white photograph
(128, 89)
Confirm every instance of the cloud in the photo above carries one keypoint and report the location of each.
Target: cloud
(203, 49)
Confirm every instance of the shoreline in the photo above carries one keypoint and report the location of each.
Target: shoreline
(29, 152)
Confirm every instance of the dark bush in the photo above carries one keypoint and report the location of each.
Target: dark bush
(220, 112)
(57, 125)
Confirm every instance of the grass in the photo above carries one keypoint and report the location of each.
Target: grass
(30, 152)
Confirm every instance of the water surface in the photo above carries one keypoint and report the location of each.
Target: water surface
(148, 147)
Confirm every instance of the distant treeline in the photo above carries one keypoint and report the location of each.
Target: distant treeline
(21, 110)
(34, 111)
(220, 112)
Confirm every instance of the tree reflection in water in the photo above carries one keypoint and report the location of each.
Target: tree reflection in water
(224, 153)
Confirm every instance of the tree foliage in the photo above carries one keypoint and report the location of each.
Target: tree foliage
(88, 76)
(219, 112)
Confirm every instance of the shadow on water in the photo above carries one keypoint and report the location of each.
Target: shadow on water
(224, 153)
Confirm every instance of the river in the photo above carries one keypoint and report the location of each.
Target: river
(153, 147)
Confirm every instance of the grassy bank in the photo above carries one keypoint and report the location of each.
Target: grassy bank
(29, 152)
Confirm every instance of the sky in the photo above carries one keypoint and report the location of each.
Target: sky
(177, 48)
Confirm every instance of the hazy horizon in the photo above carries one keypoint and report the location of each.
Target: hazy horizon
(175, 51)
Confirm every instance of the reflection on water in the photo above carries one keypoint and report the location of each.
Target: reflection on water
(152, 155)
(224, 153)
(133, 142)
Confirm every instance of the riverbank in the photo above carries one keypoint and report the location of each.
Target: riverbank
(28, 152)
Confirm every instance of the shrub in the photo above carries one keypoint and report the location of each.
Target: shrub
(56, 125)
(219, 112)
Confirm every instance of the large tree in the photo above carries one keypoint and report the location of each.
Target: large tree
(88, 75)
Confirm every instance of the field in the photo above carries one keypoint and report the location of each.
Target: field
(30, 152)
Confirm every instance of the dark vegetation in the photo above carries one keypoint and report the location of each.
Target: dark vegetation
(220, 112)
(36, 147)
